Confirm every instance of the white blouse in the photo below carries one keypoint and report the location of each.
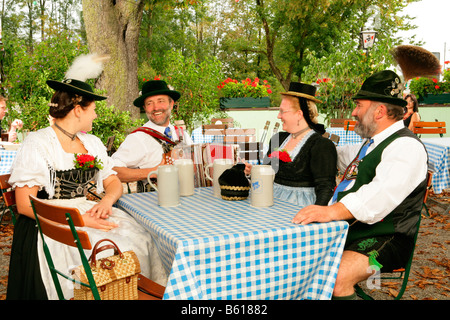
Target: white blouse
(41, 154)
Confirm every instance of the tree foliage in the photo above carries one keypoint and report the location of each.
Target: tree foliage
(197, 83)
(195, 45)
(339, 75)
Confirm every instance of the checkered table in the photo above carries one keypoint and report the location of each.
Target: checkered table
(438, 153)
(6, 160)
(217, 249)
(198, 137)
(346, 137)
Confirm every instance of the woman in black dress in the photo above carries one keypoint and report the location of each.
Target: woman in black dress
(304, 161)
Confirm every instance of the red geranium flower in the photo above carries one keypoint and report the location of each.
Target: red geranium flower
(283, 155)
(87, 161)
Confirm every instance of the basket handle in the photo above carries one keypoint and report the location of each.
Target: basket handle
(97, 249)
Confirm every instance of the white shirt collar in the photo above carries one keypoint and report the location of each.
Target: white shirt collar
(378, 138)
(158, 128)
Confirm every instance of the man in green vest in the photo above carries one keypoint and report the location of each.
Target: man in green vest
(382, 190)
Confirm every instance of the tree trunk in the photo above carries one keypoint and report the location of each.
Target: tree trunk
(112, 27)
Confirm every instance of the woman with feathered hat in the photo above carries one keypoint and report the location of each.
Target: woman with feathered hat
(303, 160)
(57, 163)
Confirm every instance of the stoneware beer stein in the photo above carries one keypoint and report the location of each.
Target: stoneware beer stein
(185, 176)
(168, 185)
(219, 166)
(261, 191)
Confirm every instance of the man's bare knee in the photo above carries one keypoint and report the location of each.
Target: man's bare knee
(353, 269)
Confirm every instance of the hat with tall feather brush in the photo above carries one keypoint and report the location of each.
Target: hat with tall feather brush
(84, 67)
(386, 85)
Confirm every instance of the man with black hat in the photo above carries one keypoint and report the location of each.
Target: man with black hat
(142, 151)
(382, 190)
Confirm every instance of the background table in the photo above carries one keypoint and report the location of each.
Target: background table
(346, 137)
(217, 249)
(438, 153)
(6, 160)
(198, 137)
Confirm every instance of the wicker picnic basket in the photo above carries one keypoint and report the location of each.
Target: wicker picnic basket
(116, 276)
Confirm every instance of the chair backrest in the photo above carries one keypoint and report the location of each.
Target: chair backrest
(4, 184)
(251, 151)
(52, 221)
(214, 129)
(4, 187)
(429, 184)
(426, 127)
(110, 144)
(338, 122)
(227, 121)
(239, 135)
(349, 125)
(9, 198)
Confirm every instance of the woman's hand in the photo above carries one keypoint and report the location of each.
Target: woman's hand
(113, 191)
(98, 223)
(248, 168)
(101, 210)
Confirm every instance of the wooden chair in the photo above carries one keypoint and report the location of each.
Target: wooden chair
(214, 129)
(9, 198)
(349, 125)
(59, 223)
(180, 123)
(180, 128)
(228, 121)
(251, 151)
(424, 127)
(239, 135)
(109, 144)
(403, 272)
(4, 187)
(338, 122)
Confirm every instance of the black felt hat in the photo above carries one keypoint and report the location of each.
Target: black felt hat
(153, 88)
(300, 89)
(76, 87)
(383, 86)
(233, 183)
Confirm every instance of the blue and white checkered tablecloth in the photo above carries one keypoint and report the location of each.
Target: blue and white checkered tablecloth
(217, 249)
(6, 160)
(198, 137)
(438, 152)
(346, 137)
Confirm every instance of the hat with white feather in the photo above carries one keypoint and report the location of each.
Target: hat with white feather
(84, 67)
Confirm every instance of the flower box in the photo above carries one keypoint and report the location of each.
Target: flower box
(244, 103)
(434, 98)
